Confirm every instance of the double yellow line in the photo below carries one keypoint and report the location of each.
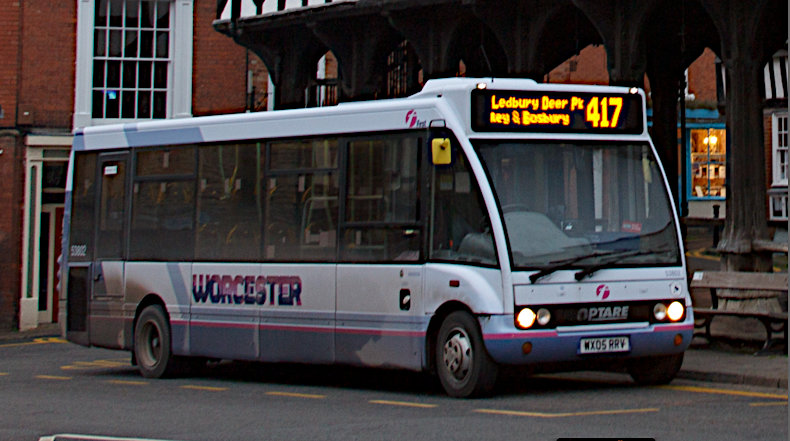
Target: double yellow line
(37, 341)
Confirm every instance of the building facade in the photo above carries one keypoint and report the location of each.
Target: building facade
(78, 64)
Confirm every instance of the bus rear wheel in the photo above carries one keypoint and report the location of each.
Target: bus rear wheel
(655, 370)
(152, 343)
(464, 367)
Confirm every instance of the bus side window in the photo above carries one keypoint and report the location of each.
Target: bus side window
(229, 211)
(163, 205)
(382, 200)
(301, 200)
(460, 224)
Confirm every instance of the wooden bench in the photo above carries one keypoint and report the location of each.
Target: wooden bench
(743, 286)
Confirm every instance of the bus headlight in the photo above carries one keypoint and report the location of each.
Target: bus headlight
(660, 311)
(543, 316)
(525, 318)
(675, 311)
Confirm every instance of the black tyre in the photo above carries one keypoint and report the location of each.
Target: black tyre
(655, 370)
(464, 367)
(152, 343)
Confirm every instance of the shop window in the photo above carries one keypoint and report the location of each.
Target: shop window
(708, 163)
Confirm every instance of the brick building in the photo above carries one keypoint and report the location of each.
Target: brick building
(68, 65)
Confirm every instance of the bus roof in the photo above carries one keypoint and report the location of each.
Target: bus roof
(447, 100)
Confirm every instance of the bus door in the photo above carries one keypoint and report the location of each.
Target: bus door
(107, 273)
(379, 277)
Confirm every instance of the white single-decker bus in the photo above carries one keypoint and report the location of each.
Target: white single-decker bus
(476, 224)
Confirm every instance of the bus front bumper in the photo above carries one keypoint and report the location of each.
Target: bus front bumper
(508, 345)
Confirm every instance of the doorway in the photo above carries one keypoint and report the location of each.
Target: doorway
(45, 191)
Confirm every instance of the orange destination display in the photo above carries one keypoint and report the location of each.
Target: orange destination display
(556, 112)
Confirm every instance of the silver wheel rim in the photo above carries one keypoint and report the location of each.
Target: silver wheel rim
(457, 354)
(151, 345)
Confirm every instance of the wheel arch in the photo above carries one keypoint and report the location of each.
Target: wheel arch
(148, 300)
(435, 323)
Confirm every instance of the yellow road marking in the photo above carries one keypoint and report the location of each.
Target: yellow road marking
(37, 341)
(564, 414)
(128, 382)
(772, 403)
(708, 390)
(100, 363)
(296, 395)
(404, 404)
(82, 365)
(52, 377)
(206, 388)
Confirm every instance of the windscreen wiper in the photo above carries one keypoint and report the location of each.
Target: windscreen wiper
(618, 254)
(558, 265)
(609, 263)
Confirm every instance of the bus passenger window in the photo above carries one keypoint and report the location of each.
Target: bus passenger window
(301, 201)
(382, 200)
(229, 210)
(382, 180)
(174, 161)
(163, 205)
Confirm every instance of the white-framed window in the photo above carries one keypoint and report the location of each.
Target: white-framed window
(131, 59)
(778, 206)
(779, 148)
(134, 60)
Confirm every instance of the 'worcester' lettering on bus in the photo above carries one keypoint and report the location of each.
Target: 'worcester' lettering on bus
(247, 290)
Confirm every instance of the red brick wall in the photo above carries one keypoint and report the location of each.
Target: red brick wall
(11, 168)
(702, 79)
(218, 69)
(36, 90)
(9, 54)
(46, 97)
(589, 67)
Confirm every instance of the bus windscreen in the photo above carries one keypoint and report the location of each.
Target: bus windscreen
(556, 112)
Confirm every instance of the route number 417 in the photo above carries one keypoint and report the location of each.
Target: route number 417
(604, 112)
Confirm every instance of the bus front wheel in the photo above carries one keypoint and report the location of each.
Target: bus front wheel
(462, 363)
(152, 343)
